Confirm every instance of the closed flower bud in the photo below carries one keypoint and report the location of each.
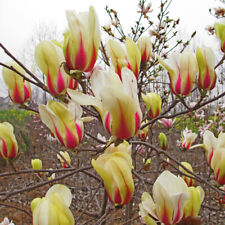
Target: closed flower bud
(193, 206)
(220, 33)
(163, 141)
(8, 143)
(82, 40)
(49, 58)
(182, 69)
(129, 56)
(114, 167)
(145, 47)
(154, 104)
(64, 121)
(189, 181)
(206, 64)
(36, 165)
(143, 133)
(19, 89)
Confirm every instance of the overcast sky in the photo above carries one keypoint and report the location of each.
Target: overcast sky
(19, 17)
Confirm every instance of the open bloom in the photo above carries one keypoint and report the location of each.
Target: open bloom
(19, 89)
(193, 206)
(154, 104)
(206, 64)
(188, 138)
(53, 209)
(220, 33)
(49, 58)
(170, 195)
(189, 181)
(167, 122)
(116, 101)
(8, 143)
(64, 121)
(82, 40)
(63, 158)
(114, 167)
(182, 69)
(145, 46)
(124, 57)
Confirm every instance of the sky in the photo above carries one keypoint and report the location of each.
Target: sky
(19, 17)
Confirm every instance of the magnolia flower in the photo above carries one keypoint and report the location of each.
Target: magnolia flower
(143, 133)
(114, 167)
(182, 69)
(188, 138)
(124, 57)
(220, 33)
(64, 156)
(170, 195)
(116, 101)
(49, 58)
(206, 64)
(145, 47)
(192, 207)
(154, 104)
(53, 209)
(19, 89)
(167, 122)
(189, 181)
(8, 143)
(36, 165)
(64, 121)
(163, 141)
(82, 40)
(6, 222)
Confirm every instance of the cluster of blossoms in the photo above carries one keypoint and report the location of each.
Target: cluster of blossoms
(114, 95)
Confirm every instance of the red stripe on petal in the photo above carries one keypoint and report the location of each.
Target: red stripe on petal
(214, 82)
(81, 57)
(4, 149)
(137, 121)
(27, 93)
(165, 217)
(58, 135)
(79, 132)
(50, 85)
(178, 215)
(117, 198)
(60, 82)
(71, 141)
(17, 98)
(187, 88)
(178, 85)
(67, 57)
(207, 80)
(107, 123)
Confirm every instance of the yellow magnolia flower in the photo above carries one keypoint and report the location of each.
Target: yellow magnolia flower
(53, 209)
(124, 57)
(145, 46)
(193, 206)
(36, 165)
(163, 141)
(220, 33)
(114, 167)
(154, 104)
(116, 101)
(19, 89)
(170, 195)
(82, 40)
(64, 121)
(8, 143)
(182, 69)
(189, 181)
(206, 64)
(49, 58)
(66, 156)
(143, 133)
(188, 138)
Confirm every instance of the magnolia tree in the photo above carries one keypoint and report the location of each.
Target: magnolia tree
(124, 96)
